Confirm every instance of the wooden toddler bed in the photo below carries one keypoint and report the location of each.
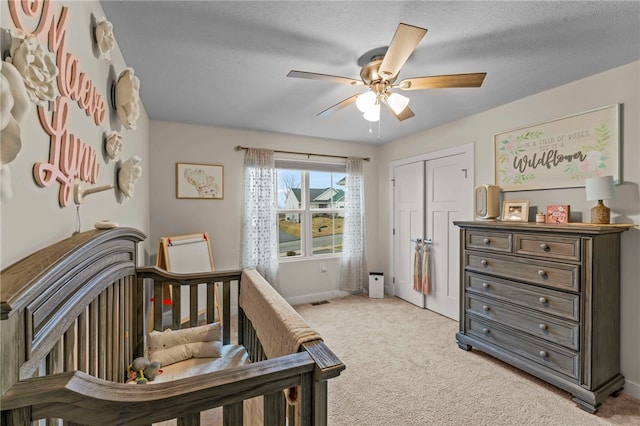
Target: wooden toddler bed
(72, 318)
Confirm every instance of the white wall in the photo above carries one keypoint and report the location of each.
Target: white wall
(300, 281)
(32, 218)
(619, 85)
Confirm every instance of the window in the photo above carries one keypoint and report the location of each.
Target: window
(310, 209)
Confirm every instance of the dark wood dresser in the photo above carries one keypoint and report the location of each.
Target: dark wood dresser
(545, 298)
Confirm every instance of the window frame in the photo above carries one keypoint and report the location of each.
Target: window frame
(305, 211)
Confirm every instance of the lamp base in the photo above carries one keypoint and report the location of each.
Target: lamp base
(600, 214)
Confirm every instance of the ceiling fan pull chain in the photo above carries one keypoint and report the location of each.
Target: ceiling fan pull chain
(370, 129)
(379, 125)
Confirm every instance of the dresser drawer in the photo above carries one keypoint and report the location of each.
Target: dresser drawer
(566, 305)
(563, 276)
(545, 327)
(494, 241)
(557, 359)
(553, 247)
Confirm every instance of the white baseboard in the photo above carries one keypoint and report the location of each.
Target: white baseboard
(316, 297)
(632, 388)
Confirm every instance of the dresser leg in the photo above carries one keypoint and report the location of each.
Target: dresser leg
(588, 407)
(464, 346)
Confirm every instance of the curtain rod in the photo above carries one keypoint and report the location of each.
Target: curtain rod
(240, 148)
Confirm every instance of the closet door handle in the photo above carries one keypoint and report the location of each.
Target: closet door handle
(543, 300)
(544, 354)
(542, 273)
(487, 241)
(544, 247)
(484, 262)
(542, 327)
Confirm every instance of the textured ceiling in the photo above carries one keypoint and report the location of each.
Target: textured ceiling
(224, 64)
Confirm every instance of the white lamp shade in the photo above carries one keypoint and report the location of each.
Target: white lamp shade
(600, 188)
(366, 101)
(397, 102)
(373, 114)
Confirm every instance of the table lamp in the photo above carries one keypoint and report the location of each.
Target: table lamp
(600, 188)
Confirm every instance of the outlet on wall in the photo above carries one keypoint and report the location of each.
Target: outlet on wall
(323, 267)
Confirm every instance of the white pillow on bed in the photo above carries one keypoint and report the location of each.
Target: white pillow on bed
(187, 351)
(169, 346)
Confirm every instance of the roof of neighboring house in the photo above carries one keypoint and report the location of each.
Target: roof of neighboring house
(321, 194)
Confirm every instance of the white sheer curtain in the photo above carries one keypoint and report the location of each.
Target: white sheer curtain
(353, 268)
(259, 230)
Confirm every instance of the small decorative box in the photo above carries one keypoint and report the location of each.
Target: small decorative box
(558, 214)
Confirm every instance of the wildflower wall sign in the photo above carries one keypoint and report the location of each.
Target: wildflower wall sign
(560, 153)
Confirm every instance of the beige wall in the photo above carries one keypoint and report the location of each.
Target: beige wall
(32, 218)
(300, 281)
(619, 85)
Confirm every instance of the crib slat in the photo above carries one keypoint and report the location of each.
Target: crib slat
(211, 303)
(232, 414)
(176, 307)
(102, 336)
(139, 303)
(69, 348)
(82, 347)
(93, 338)
(157, 305)
(191, 420)
(120, 336)
(305, 399)
(193, 306)
(274, 409)
(110, 326)
(226, 310)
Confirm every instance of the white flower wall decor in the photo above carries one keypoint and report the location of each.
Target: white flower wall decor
(14, 105)
(113, 145)
(36, 65)
(104, 38)
(127, 98)
(128, 175)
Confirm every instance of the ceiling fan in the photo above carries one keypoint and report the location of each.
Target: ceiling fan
(380, 69)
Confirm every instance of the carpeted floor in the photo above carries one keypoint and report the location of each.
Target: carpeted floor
(405, 368)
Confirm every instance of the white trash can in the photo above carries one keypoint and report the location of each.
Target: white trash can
(376, 285)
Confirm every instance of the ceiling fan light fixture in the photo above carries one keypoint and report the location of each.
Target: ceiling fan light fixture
(397, 102)
(373, 113)
(366, 101)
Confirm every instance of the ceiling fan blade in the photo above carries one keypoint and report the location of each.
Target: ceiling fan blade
(338, 106)
(332, 78)
(443, 81)
(406, 113)
(404, 42)
(403, 115)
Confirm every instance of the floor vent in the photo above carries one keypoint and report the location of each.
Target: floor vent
(322, 302)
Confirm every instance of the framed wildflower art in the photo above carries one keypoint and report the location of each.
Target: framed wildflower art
(560, 153)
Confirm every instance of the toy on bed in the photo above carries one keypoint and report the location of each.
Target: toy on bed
(141, 371)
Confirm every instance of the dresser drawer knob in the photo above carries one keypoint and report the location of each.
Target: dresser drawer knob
(485, 330)
(543, 300)
(484, 262)
(542, 327)
(485, 285)
(485, 308)
(544, 247)
(487, 241)
(544, 354)
(542, 273)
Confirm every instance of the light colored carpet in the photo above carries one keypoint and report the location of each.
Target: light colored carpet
(404, 367)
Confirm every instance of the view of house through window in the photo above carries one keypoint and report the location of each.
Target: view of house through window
(310, 212)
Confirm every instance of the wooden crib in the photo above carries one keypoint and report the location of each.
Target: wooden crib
(74, 315)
